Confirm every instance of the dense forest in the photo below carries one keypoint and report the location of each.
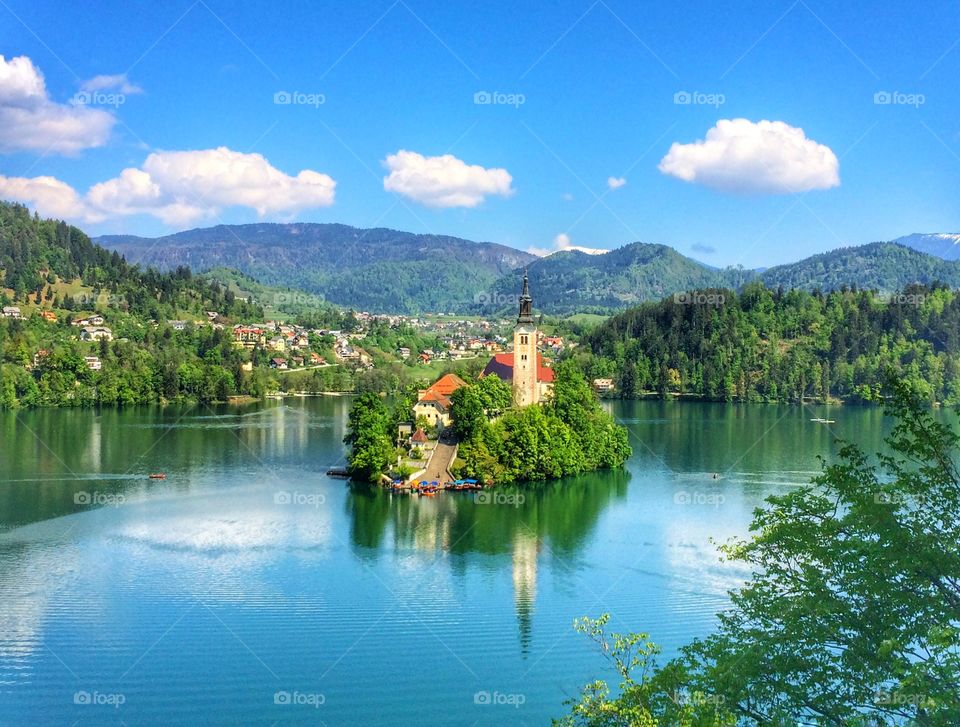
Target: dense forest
(775, 345)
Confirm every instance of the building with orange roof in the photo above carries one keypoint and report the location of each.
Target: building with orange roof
(434, 402)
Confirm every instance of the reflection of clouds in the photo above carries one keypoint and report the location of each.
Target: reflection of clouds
(223, 547)
(28, 583)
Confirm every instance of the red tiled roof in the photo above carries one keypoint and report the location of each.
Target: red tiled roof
(447, 384)
(502, 365)
(418, 436)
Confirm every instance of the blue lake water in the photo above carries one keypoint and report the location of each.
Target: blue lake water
(250, 588)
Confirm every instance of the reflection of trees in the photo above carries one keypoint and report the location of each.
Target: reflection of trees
(49, 455)
(554, 519)
(562, 513)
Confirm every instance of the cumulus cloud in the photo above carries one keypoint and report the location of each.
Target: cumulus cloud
(31, 121)
(616, 182)
(561, 243)
(766, 157)
(180, 187)
(118, 82)
(47, 195)
(443, 181)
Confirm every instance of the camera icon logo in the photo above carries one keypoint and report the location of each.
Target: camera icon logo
(882, 98)
(482, 98)
(282, 498)
(482, 697)
(82, 498)
(682, 98)
(282, 98)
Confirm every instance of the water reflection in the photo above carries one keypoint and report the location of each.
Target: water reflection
(546, 520)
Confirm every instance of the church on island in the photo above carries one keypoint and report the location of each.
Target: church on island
(523, 367)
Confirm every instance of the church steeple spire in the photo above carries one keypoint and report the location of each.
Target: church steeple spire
(526, 302)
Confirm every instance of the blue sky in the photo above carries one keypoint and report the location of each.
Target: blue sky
(575, 149)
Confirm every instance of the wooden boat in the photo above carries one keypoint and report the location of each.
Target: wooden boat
(158, 476)
(338, 472)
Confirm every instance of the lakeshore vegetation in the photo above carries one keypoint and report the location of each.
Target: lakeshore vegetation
(851, 616)
(766, 344)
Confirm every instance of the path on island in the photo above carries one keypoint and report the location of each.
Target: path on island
(443, 455)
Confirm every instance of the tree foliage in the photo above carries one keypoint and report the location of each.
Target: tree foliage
(852, 615)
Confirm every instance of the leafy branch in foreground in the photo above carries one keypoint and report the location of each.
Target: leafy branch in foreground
(851, 617)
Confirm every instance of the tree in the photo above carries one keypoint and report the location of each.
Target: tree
(852, 615)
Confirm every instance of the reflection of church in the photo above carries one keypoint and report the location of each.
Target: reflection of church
(526, 548)
(523, 367)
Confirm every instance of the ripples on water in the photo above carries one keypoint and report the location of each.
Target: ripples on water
(200, 597)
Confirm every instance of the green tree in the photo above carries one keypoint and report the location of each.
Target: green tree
(852, 615)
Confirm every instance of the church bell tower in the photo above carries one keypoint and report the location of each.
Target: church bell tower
(526, 389)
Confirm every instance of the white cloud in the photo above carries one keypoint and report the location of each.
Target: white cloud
(562, 243)
(616, 182)
(767, 157)
(180, 187)
(566, 197)
(49, 196)
(443, 181)
(31, 121)
(118, 82)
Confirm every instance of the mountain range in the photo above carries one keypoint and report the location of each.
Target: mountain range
(392, 271)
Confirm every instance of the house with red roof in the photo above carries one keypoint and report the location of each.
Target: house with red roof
(434, 403)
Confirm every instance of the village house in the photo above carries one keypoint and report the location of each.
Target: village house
(96, 333)
(93, 363)
(403, 352)
(434, 403)
(317, 359)
(11, 311)
(39, 356)
(278, 363)
(94, 320)
(419, 440)
(248, 336)
(48, 315)
(277, 344)
(297, 360)
(177, 325)
(603, 386)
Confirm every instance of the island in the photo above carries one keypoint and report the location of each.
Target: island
(520, 420)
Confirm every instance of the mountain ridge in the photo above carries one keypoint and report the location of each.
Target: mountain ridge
(385, 270)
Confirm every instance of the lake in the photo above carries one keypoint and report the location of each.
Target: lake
(250, 588)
